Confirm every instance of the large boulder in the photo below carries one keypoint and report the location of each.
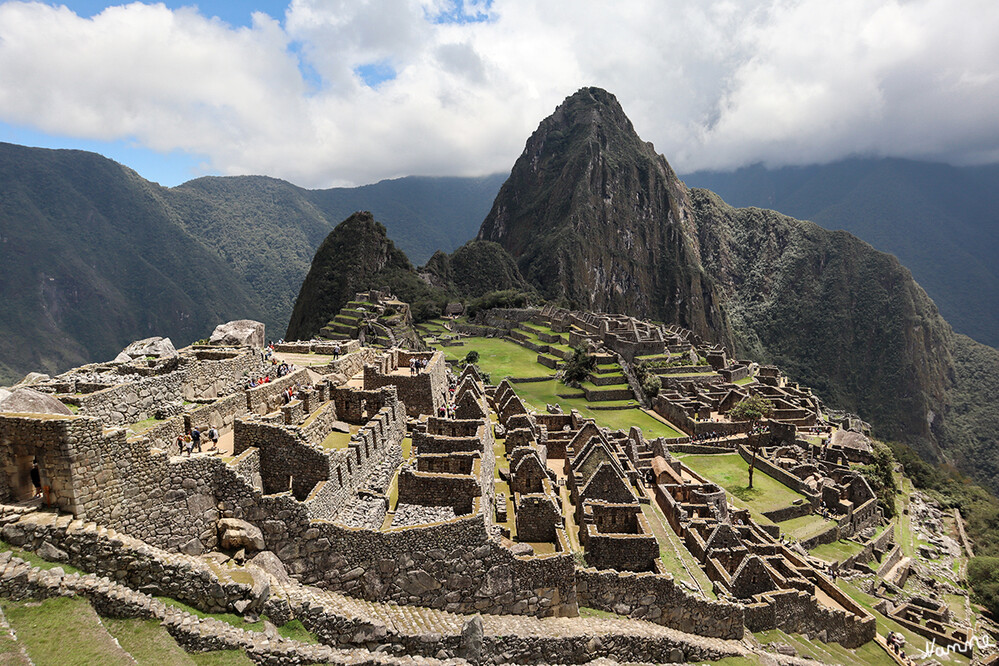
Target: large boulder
(235, 534)
(33, 378)
(239, 333)
(30, 401)
(155, 347)
(273, 565)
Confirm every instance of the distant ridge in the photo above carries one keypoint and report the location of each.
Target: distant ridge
(95, 257)
(941, 221)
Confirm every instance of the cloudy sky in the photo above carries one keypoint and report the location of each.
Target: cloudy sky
(345, 92)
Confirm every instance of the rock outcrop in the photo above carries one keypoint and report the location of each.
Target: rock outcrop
(239, 333)
(30, 401)
(155, 347)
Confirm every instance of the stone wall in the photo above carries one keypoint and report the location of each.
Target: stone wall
(128, 561)
(422, 393)
(268, 397)
(292, 454)
(24, 438)
(132, 402)
(194, 378)
(657, 598)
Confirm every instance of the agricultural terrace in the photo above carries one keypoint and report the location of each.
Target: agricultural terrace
(501, 358)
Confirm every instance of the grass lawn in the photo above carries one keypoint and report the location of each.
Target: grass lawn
(64, 631)
(805, 527)
(837, 551)
(500, 358)
(731, 472)
(538, 394)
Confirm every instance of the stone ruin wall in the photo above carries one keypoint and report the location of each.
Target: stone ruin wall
(422, 393)
(657, 598)
(136, 401)
(293, 453)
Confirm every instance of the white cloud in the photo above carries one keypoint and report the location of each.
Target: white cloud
(714, 84)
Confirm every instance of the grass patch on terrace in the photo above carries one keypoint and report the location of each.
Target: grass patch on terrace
(63, 630)
(914, 643)
(673, 554)
(500, 358)
(229, 618)
(585, 611)
(140, 427)
(222, 658)
(837, 551)
(828, 653)
(148, 642)
(744, 381)
(36, 561)
(336, 440)
(805, 527)
(731, 472)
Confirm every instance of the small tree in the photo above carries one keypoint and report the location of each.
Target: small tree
(579, 365)
(472, 357)
(754, 409)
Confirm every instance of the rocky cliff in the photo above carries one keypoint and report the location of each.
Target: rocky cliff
(356, 256)
(597, 220)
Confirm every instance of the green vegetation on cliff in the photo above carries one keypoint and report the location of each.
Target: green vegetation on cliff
(832, 312)
(356, 256)
(598, 221)
(93, 259)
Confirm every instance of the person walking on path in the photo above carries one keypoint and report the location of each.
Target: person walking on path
(195, 439)
(213, 434)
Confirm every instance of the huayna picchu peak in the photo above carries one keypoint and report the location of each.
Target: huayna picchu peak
(596, 219)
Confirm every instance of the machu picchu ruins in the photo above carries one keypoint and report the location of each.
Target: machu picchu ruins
(404, 502)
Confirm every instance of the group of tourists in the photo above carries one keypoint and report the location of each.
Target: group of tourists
(190, 441)
(416, 365)
(448, 408)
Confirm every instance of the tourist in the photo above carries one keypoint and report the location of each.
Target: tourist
(213, 434)
(188, 445)
(195, 439)
(36, 478)
(180, 444)
(336, 351)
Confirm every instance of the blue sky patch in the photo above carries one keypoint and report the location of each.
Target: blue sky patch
(167, 169)
(233, 12)
(460, 13)
(375, 73)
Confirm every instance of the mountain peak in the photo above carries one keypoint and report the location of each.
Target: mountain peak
(597, 220)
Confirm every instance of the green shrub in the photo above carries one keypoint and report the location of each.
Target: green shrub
(579, 365)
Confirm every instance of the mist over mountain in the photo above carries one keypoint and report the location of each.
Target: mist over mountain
(941, 221)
